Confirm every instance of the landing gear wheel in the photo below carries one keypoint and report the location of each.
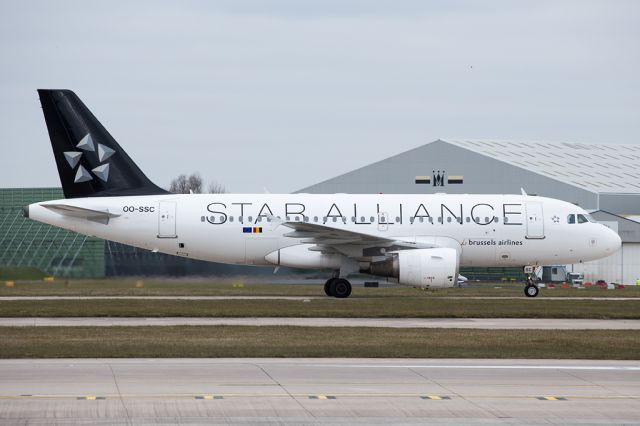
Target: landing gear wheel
(340, 288)
(327, 287)
(531, 291)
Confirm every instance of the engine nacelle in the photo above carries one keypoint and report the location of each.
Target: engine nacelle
(427, 268)
(299, 256)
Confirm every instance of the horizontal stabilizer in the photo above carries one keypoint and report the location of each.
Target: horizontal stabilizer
(95, 214)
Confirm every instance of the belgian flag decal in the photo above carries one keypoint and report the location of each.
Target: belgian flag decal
(252, 230)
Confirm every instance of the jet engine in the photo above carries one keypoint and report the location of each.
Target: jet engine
(426, 268)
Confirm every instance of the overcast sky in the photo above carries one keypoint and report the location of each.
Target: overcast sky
(284, 94)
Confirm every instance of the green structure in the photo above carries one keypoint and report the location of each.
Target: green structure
(57, 252)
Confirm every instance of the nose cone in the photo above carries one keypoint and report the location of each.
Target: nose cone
(611, 241)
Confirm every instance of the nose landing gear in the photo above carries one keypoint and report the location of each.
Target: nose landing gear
(531, 288)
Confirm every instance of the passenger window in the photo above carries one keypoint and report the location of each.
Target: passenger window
(421, 219)
(372, 219)
(230, 218)
(250, 218)
(361, 218)
(571, 218)
(449, 219)
(397, 219)
(335, 219)
(315, 218)
(582, 219)
(496, 219)
(468, 219)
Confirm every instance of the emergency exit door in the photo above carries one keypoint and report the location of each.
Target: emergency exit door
(167, 219)
(535, 220)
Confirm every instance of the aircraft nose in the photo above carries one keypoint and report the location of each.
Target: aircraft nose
(611, 240)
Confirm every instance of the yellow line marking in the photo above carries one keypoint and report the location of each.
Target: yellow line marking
(322, 397)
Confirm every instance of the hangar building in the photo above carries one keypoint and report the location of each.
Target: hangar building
(600, 178)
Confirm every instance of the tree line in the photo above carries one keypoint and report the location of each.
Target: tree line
(193, 183)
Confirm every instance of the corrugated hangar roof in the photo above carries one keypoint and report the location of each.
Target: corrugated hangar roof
(603, 168)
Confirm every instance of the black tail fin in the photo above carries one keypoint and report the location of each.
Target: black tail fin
(90, 162)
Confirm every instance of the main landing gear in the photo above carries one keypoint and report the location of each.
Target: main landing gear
(337, 287)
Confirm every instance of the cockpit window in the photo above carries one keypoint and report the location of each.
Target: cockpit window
(571, 218)
(590, 218)
(582, 219)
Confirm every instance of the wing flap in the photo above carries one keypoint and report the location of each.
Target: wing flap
(353, 244)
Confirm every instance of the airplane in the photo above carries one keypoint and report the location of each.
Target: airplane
(418, 240)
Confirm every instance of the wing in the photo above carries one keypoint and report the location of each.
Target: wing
(357, 245)
(93, 214)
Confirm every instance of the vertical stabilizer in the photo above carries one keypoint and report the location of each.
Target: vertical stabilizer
(90, 161)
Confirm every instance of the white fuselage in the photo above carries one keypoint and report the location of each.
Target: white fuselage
(491, 230)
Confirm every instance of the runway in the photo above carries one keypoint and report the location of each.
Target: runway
(318, 391)
(468, 323)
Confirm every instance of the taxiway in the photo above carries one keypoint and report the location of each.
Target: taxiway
(318, 391)
(470, 323)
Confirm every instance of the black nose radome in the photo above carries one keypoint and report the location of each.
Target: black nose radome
(25, 211)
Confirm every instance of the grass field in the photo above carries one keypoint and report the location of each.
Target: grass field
(206, 287)
(389, 307)
(228, 341)
(365, 302)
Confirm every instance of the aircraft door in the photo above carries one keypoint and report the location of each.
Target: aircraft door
(167, 219)
(383, 220)
(535, 220)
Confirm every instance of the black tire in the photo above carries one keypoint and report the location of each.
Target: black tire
(327, 287)
(340, 288)
(531, 291)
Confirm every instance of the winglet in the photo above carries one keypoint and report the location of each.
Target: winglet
(524, 193)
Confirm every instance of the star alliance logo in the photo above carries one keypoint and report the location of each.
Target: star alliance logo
(87, 145)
